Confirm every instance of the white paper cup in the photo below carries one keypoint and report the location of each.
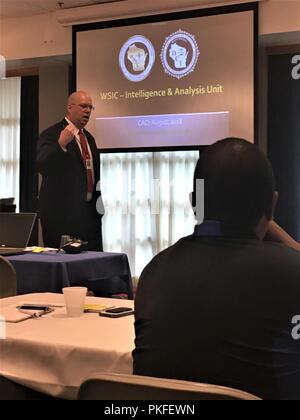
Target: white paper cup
(74, 300)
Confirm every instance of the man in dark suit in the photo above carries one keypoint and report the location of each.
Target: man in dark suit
(67, 158)
(220, 306)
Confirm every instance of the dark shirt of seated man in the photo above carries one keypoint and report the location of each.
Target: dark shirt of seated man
(217, 307)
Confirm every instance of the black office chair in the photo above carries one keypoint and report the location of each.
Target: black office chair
(112, 386)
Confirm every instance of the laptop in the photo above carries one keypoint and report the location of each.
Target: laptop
(15, 231)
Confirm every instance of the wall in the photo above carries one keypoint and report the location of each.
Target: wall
(42, 35)
(277, 16)
(279, 25)
(34, 36)
(52, 101)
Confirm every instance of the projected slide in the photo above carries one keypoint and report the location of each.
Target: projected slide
(169, 84)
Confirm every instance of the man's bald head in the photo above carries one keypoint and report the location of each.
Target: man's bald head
(79, 108)
(78, 97)
(238, 183)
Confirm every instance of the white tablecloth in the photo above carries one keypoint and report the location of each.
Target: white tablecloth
(55, 354)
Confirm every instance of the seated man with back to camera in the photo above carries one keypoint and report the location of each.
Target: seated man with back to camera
(217, 307)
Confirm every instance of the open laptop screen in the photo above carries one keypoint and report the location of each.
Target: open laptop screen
(15, 229)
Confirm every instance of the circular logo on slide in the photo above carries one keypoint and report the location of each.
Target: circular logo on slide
(136, 58)
(179, 54)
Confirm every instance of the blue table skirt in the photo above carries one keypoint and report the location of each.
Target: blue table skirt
(102, 272)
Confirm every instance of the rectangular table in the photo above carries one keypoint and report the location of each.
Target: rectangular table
(102, 272)
(55, 354)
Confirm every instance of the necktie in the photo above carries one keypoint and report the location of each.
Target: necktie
(87, 161)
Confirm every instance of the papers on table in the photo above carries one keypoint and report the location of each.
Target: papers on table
(38, 249)
(96, 308)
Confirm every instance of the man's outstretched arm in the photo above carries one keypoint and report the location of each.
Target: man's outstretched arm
(277, 234)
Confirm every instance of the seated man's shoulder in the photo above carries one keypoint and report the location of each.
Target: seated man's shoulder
(281, 263)
(168, 256)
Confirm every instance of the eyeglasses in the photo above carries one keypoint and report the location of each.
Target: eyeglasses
(85, 106)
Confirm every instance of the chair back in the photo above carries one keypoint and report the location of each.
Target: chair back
(8, 282)
(112, 386)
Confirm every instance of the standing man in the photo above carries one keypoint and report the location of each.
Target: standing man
(69, 162)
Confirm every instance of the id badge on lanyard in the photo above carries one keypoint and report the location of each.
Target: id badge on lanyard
(88, 163)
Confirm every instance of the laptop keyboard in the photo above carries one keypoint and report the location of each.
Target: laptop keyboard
(11, 251)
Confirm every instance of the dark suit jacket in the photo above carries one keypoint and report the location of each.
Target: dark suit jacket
(219, 310)
(62, 198)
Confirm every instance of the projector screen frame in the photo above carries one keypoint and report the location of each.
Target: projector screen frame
(187, 14)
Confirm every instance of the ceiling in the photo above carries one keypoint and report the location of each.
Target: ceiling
(18, 8)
